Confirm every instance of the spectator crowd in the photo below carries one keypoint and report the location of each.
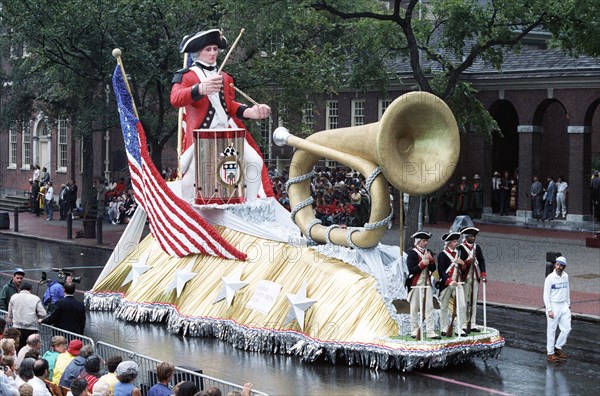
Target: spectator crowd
(69, 368)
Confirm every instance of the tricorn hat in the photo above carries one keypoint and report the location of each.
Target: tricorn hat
(421, 235)
(469, 230)
(450, 236)
(195, 42)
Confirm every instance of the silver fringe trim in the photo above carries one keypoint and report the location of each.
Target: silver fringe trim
(409, 355)
(102, 301)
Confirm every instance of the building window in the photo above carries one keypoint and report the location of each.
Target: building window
(332, 121)
(383, 105)
(308, 117)
(12, 148)
(358, 112)
(62, 146)
(26, 145)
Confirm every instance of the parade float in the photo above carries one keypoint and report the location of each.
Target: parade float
(221, 263)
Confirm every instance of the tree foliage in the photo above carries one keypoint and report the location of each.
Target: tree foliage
(292, 50)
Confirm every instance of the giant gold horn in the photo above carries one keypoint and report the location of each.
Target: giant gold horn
(415, 147)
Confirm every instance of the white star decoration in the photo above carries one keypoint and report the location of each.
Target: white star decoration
(137, 269)
(182, 277)
(231, 284)
(299, 304)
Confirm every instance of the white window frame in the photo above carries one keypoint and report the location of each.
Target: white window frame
(308, 116)
(358, 112)
(26, 146)
(333, 115)
(62, 147)
(12, 147)
(383, 105)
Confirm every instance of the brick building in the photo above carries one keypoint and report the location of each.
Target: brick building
(546, 103)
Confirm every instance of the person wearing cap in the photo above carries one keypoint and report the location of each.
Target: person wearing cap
(76, 366)
(11, 288)
(209, 102)
(24, 311)
(472, 275)
(127, 372)
(63, 359)
(476, 199)
(557, 300)
(421, 265)
(450, 266)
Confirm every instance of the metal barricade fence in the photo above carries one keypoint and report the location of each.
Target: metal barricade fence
(147, 376)
(147, 366)
(47, 332)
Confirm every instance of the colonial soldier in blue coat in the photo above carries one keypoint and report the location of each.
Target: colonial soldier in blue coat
(421, 265)
(472, 275)
(450, 266)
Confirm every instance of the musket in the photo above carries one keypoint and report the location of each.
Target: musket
(450, 330)
(473, 302)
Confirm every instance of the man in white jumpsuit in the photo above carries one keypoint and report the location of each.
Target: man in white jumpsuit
(558, 313)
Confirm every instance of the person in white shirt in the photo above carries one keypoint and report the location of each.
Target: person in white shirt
(40, 370)
(558, 312)
(561, 198)
(49, 201)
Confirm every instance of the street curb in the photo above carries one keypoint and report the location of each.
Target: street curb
(65, 241)
(540, 311)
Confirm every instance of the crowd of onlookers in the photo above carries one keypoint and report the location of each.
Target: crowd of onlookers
(74, 369)
(114, 201)
(339, 195)
(26, 369)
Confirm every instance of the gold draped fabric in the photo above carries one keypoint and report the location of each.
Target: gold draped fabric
(348, 306)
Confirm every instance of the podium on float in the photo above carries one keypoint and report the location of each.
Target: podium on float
(219, 166)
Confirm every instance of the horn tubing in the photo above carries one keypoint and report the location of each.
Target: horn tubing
(416, 144)
(307, 154)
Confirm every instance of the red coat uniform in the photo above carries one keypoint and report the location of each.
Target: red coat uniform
(199, 112)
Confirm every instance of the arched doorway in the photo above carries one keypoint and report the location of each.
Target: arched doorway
(505, 148)
(42, 144)
(554, 151)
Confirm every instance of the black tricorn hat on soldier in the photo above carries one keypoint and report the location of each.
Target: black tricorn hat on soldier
(469, 230)
(450, 236)
(195, 42)
(421, 235)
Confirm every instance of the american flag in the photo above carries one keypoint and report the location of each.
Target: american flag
(177, 227)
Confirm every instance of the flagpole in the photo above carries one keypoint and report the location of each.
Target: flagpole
(117, 54)
(180, 127)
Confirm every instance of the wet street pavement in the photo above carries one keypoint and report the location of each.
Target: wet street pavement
(521, 368)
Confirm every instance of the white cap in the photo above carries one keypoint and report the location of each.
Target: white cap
(561, 260)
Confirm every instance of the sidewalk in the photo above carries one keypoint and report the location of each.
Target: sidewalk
(515, 265)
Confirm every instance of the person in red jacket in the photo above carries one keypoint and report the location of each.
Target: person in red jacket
(209, 102)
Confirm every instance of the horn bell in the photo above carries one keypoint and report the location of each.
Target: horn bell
(416, 145)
